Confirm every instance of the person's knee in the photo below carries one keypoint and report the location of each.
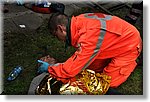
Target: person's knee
(119, 74)
(116, 83)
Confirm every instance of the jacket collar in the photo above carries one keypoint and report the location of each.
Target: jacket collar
(68, 35)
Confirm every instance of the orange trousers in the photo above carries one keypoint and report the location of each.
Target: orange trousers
(119, 68)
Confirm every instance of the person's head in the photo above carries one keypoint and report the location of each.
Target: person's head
(57, 25)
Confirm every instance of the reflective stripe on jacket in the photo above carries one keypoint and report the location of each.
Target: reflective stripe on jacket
(97, 36)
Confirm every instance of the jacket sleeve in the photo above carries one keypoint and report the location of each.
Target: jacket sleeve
(88, 50)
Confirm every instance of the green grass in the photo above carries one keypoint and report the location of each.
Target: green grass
(24, 49)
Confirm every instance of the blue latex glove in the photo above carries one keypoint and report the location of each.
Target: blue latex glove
(20, 2)
(43, 67)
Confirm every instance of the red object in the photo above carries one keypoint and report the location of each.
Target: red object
(45, 10)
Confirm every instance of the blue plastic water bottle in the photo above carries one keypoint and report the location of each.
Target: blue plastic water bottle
(15, 73)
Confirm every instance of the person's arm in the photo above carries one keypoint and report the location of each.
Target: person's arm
(81, 59)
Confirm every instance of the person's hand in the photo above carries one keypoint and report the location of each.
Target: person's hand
(48, 59)
(43, 67)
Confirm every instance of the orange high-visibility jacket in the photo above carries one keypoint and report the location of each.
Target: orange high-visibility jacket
(99, 37)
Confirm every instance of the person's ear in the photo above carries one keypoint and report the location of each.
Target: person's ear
(60, 28)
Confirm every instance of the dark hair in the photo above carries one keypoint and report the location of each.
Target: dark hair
(56, 19)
